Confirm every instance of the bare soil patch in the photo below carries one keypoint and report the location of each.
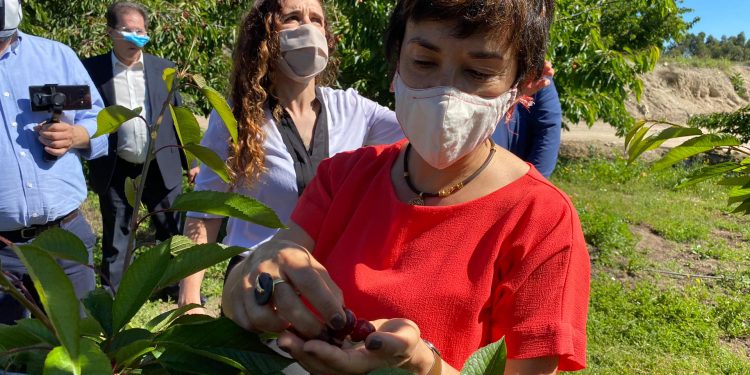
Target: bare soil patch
(661, 251)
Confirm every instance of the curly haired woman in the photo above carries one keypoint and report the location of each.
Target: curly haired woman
(288, 121)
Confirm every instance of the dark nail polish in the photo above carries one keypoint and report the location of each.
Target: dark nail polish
(285, 349)
(374, 344)
(338, 322)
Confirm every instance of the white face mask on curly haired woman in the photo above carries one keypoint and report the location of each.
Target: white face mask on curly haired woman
(304, 52)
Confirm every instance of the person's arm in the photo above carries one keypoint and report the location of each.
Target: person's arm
(540, 305)
(199, 231)
(382, 125)
(61, 137)
(545, 125)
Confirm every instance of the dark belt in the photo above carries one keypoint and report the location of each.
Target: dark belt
(28, 233)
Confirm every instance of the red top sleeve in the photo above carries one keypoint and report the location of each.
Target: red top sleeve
(541, 302)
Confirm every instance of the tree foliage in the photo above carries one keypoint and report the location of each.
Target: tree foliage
(732, 48)
(207, 28)
(734, 173)
(598, 47)
(735, 123)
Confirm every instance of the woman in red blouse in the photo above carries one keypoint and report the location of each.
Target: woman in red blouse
(445, 238)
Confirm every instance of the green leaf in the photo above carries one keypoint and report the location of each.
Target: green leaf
(56, 294)
(192, 319)
(38, 329)
(99, 304)
(744, 208)
(739, 197)
(657, 140)
(184, 359)
(489, 360)
(228, 204)
(62, 244)
(222, 108)
(58, 362)
(209, 158)
(259, 363)
(738, 194)
(91, 329)
(137, 284)
(178, 244)
(695, 146)
(741, 181)
(186, 126)
(168, 76)
(708, 172)
(91, 360)
(636, 139)
(198, 80)
(197, 258)
(130, 353)
(127, 337)
(131, 185)
(214, 333)
(109, 119)
(166, 318)
(25, 333)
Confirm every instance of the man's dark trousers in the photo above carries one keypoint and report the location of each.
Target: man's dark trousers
(117, 213)
(82, 276)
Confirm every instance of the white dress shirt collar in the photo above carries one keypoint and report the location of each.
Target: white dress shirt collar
(117, 63)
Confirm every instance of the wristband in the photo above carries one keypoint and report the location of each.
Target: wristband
(437, 363)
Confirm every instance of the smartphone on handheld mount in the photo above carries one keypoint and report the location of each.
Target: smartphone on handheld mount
(55, 99)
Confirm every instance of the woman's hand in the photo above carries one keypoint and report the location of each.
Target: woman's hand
(396, 343)
(530, 88)
(304, 278)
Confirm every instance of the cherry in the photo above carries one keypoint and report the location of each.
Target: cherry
(362, 329)
(337, 337)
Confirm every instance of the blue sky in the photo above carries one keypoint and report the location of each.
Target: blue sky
(719, 17)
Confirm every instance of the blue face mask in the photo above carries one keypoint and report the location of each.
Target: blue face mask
(137, 40)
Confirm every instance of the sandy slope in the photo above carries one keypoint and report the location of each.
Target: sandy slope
(671, 93)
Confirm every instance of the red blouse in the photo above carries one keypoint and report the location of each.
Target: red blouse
(513, 263)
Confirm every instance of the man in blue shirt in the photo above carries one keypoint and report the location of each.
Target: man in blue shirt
(533, 134)
(38, 194)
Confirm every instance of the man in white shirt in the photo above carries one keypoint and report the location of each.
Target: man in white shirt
(126, 76)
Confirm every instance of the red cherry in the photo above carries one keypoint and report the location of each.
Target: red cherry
(341, 334)
(362, 329)
(351, 320)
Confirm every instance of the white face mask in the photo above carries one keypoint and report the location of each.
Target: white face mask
(444, 124)
(12, 17)
(304, 52)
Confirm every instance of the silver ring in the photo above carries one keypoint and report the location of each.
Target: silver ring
(278, 281)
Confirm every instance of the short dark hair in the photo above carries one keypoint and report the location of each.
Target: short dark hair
(117, 8)
(524, 25)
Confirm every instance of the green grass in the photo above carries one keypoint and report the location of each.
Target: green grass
(723, 64)
(641, 320)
